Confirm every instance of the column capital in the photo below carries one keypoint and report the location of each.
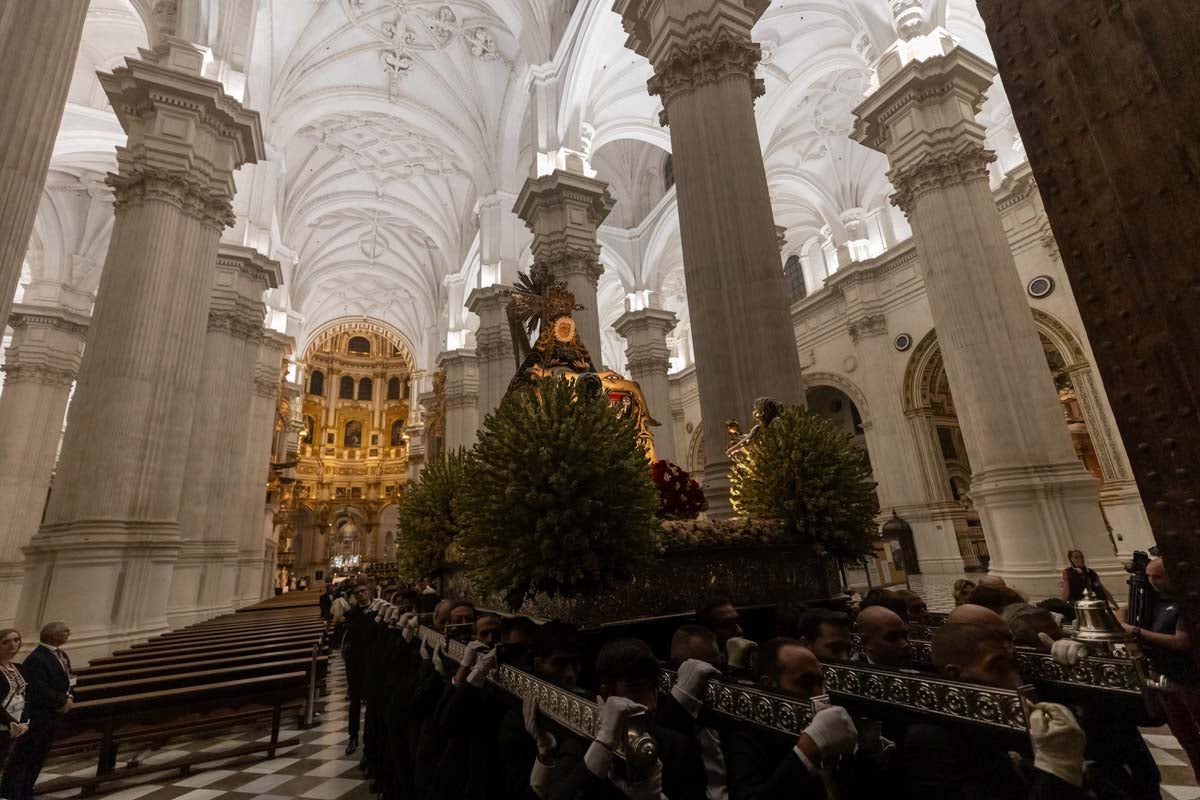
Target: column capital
(47, 345)
(186, 136)
(646, 331)
(486, 299)
(923, 119)
(563, 210)
(651, 322)
(691, 45)
(235, 303)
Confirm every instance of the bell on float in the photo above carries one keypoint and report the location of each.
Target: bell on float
(1095, 622)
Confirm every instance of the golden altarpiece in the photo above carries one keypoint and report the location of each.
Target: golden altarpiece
(338, 496)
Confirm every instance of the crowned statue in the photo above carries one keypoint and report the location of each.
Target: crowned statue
(540, 308)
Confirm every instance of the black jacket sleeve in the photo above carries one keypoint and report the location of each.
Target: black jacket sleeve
(756, 771)
(6, 718)
(48, 687)
(941, 765)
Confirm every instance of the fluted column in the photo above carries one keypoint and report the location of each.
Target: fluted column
(563, 210)
(40, 367)
(104, 556)
(648, 360)
(1034, 498)
(38, 45)
(205, 579)
(493, 345)
(462, 398)
(742, 333)
(248, 518)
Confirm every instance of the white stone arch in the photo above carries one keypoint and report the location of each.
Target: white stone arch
(390, 333)
(843, 384)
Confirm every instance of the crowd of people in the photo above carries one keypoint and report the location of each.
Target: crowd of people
(436, 728)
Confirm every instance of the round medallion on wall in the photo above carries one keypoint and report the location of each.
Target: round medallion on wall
(1040, 287)
(849, 364)
(902, 342)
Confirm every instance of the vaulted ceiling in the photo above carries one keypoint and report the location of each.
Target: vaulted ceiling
(389, 121)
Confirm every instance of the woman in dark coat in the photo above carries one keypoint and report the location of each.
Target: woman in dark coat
(12, 693)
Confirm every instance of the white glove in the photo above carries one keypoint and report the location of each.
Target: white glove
(375, 604)
(1067, 652)
(483, 667)
(405, 631)
(16, 729)
(545, 741)
(614, 714)
(426, 651)
(474, 650)
(688, 691)
(1058, 742)
(439, 661)
(647, 789)
(833, 732)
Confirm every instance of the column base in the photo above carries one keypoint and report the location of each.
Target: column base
(1122, 504)
(716, 490)
(249, 578)
(934, 538)
(109, 579)
(1033, 515)
(12, 575)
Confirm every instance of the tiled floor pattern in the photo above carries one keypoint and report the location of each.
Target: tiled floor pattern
(1178, 782)
(316, 769)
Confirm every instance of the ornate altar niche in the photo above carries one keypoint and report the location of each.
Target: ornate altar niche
(353, 450)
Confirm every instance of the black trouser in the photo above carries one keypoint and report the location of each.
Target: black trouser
(27, 757)
(355, 680)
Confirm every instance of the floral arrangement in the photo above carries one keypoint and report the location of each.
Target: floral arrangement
(558, 499)
(427, 517)
(679, 496)
(694, 534)
(801, 470)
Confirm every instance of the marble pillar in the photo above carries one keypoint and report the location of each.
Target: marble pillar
(742, 333)
(563, 210)
(493, 346)
(461, 398)
(1034, 498)
(104, 556)
(205, 580)
(256, 465)
(40, 367)
(38, 44)
(648, 360)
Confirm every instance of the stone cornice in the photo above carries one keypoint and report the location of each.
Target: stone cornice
(656, 321)
(705, 58)
(251, 264)
(37, 373)
(24, 315)
(561, 188)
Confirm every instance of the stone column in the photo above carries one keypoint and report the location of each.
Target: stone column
(462, 398)
(39, 369)
(1034, 498)
(38, 44)
(205, 579)
(255, 465)
(745, 345)
(649, 361)
(563, 209)
(104, 556)
(493, 345)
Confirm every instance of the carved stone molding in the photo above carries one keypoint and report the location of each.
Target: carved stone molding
(236, 323)
(644, 364)
(190, 194)
(21, 319)
(939, 170)
(715, 56)
(870, 325)
(564, 260)
(37, 373)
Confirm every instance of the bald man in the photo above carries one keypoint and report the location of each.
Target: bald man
(943, 764)
(765, 767)
(971, 614)
(884, 637)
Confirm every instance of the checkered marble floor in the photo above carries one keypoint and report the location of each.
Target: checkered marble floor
(316, 769)
(1178, 782)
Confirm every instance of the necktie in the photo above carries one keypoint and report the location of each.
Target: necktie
(64, 661)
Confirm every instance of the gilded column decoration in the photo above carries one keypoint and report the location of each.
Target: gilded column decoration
(1035, 500)
(742, 334)
(112, 525)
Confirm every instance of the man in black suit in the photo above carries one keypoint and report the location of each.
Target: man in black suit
(48, 696)
(361, 630)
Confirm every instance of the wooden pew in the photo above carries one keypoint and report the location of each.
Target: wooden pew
(213, 643)
(101, 674)
(117, 686)
(129, 716)
(138, 658)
